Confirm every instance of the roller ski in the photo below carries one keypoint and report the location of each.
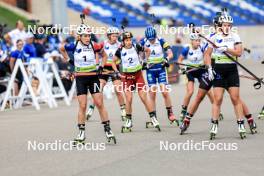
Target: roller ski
(127, 127)
(173, 119)
(90, 112)
(154, 123)
(109, 135)
(185, 125)
(241, 129)
(261, 114)
(80, 139)
(214, 129)
(252, 126)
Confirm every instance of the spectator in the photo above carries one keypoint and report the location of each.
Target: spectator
(17, 54)
(15, 34)
(39, 45)
(125, 22)
(87, 11)
(29, 49)
(146, 7)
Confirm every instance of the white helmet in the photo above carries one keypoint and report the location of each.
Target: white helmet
(194, 36)
(83, 29)
(225, 19)
(112, 30)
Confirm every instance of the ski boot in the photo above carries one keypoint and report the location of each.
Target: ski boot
(109, 134)
(221, 117)
(80, 139)
(241, 129)
(123, 113)
(185, 125)
(90, 112)
(182, 116)
(173, 119)
(154, 123)
(252, 125)
(261, 114)
(214, 129)
(127, 127)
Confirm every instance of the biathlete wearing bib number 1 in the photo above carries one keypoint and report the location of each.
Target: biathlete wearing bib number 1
(85, 54)
(132, 78)
(226, 72)
(156, 69)
(110, 47)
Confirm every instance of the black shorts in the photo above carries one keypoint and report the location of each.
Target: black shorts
(83, 83)
(202, 77)
(107, 77)
(226, 76)
(19, 78)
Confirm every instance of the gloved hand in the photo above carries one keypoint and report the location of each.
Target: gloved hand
(144, 66)
(210, 73)
(100, 70)
(183, 70)
(117, 75)
(166, 62)
(221, 49)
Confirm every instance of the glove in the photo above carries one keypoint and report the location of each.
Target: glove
(210, 73)
(144, 66)
(221, 49)
(100, 70)
(117, 75)
(183, 70)
(166, 62)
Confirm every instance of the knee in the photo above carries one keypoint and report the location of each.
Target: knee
(235, 100)
(82, 106)
(218, 101)
(199, 99)
(190, 93)
(98, 104)
(165, 95)
(129, 100)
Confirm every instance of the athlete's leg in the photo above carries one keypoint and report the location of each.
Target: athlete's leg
(218, 99)
(235, 98)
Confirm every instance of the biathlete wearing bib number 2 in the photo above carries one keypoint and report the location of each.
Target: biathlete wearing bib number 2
(156, 71)
(85, 54)
(132, 78)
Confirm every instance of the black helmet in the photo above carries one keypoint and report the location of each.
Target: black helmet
(217, 18)
(126, 35)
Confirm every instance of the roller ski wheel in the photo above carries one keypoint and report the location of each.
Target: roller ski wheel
(78, 141)
(173, 120)
(149, 125)
(111, 139)
(242, 135)
(221, 117)
(212, 136)
(261, 116)
(126, 129)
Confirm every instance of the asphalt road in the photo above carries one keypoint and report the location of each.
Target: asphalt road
(141, 152)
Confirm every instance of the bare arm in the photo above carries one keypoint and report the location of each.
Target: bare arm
(207, 56)
(147, 52)
(104, 58)
(64, 53)
(114, 63)
(12, 62)
(237, 51)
